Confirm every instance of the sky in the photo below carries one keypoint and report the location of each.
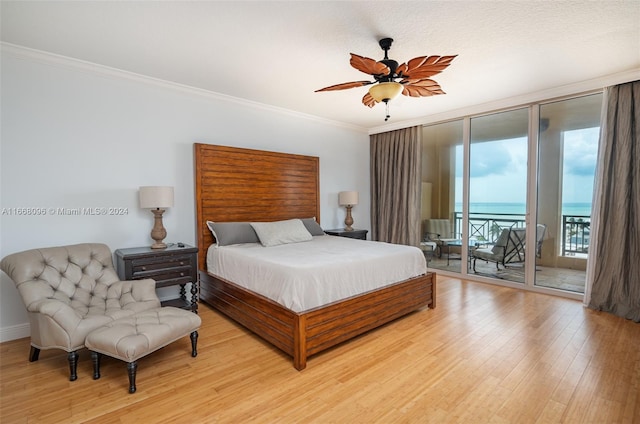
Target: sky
(580, 157)
(499, 169)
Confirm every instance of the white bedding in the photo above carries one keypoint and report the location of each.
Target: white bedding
(302, 276)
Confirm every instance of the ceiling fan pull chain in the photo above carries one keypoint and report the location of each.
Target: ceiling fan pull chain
(387, 108)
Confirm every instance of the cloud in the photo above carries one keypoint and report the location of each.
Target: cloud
(510, 156)
(581, 152)
(582, 167)
(495, 158)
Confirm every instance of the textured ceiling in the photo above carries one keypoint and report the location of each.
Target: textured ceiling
(278, 53)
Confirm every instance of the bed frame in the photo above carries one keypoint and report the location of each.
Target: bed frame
(234, 184)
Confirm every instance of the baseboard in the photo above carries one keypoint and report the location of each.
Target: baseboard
(14, 332)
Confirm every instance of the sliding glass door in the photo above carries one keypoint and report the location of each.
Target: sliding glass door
(489, 242)
(498, 153)
(441, 195)
(527, 175)
(567, 151)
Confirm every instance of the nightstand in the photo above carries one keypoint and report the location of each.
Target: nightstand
(173, 266)
(355, 234)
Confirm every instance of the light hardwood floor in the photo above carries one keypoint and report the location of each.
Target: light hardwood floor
(486, 354)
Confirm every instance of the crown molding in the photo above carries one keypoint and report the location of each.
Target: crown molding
(569, 90)
(574, 89)
(54, 59)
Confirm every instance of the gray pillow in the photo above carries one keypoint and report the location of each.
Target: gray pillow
(227, 233)
(281, 232)
(313, 227)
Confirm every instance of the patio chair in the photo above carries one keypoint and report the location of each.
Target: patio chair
(541, 229)
(428, 249)
(439, 232)
(508, 249)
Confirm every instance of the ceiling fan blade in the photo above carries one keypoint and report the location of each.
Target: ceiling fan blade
(421, 88)
(368, 100)
(424, 67)
(345, 85)
(368, 66)
(414, 75)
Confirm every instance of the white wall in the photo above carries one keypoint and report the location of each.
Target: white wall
(78, 136)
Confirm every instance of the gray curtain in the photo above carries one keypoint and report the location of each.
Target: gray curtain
(395, 186)
(614, 274)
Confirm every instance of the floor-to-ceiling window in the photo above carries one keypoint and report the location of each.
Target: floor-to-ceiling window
(498, 194)
(527, 175)
(440, 171)
(567, 150)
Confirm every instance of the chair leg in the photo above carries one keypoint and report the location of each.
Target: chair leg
(194, 343)
(131, 370)
(95, 357)
(34, 354)
(72, 357)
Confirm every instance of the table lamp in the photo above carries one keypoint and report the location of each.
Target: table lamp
(348, 199)
(157, 199)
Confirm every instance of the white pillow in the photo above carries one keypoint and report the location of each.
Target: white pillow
(281, 232)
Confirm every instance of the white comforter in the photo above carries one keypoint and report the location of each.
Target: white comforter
(302, 276)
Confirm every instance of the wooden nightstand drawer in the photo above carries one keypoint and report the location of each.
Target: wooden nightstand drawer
(167, 276)
(160, 263)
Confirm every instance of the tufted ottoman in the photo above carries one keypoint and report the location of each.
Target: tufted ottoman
(135, 336)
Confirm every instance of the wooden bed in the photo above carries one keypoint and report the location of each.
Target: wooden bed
(234, 184)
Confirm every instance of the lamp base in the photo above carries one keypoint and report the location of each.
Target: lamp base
(158, 233)
(348, 221)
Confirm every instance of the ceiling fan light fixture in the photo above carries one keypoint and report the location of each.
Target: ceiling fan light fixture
(385, 91)
(414, 76)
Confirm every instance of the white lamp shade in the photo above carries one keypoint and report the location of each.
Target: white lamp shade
(348, 198)
(386, 91)
(156, 197)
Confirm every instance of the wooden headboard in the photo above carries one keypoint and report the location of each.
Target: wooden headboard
(234, 184)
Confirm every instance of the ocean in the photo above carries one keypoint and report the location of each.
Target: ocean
(572, 209)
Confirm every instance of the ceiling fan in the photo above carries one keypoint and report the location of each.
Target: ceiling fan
(414, 76)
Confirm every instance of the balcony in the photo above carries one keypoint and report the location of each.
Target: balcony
(558, 269)
(486, 227)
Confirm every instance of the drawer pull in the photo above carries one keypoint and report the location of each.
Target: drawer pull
(181, 262)
(182, 274)
(144, 268)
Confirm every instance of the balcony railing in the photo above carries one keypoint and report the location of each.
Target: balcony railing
(486, 227)
(575, 233)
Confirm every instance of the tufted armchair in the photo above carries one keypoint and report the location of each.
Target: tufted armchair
(70, 291)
